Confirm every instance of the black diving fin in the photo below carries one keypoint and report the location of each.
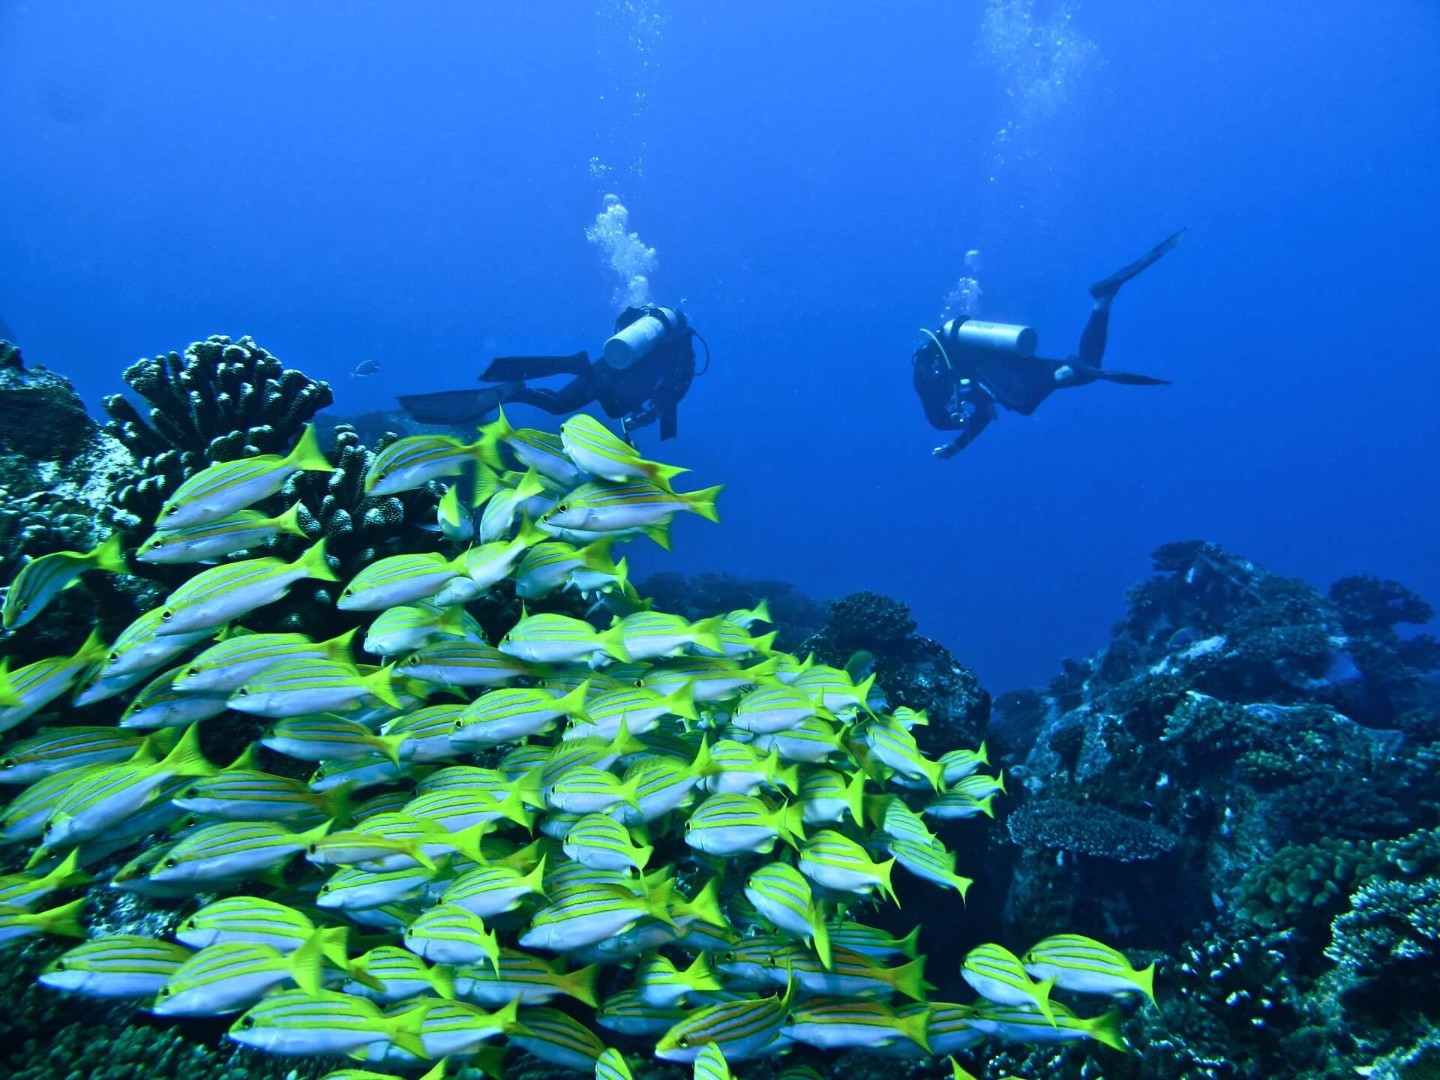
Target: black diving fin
(521, 368)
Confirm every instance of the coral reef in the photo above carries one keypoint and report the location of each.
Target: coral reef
(220, 401)
(41, 416)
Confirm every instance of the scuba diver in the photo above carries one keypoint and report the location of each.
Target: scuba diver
(969, 366)
(647, 367)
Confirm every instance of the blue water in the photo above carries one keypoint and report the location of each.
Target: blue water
(410, 183)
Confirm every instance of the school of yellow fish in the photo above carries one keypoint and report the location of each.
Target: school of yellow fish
(673, 838)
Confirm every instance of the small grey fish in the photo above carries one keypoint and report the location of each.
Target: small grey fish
(365, 367)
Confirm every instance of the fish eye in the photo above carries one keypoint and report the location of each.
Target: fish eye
(25, 606)
(171, 510)
(414, 660)
(242, 692)
(247, 1022)
(59, 965)
(347, 592)
(312, 849)
(324, 889)
(167, 615)
(188, 924)
(165, 991)
(114, 658)
(458, 724)
(170, 863)
(683, 1040)
(561, 508)
(638, 683)
(156, 544)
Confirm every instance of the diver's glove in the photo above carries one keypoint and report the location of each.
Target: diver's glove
(949, 450)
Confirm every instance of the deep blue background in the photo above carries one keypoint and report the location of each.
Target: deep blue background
(409, 183)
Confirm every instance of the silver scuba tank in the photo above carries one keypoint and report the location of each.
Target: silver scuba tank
(1001, 337)
(637, 339)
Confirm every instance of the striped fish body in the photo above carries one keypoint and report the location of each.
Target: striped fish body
(852, 975)
(868, 941)
(1085, 966)
(488, 891)
(222, 489)
(405, 628)
(828, 795)
(227, 978)
(509, 714)
(832, 688)
(770, 709)
(954, 806)
(458, 662)
(117, 966)
(140, 649)
(783, 897)
(231, 850)
(559, 639)
(447, 1029)
(665, 986)
(27, 890)
(597, 450)
(246, 795)
(354, 890)
(425, 732)
(812, 741)
(603, 506)
(640, 709)
(159, 704)
(645, 936)
(489, 564)
(709, 678)
(325, 738)
(586, 790)
(611, 1066)
(246, 919)
(361, 773)
(1019, 1024)
(710, 1064)
(949, 1030)
(735, 768)
(626, 1013)
(833, 860)
(839, 1023)
(660, 785)
(603, 843)
(996, 974)
(583, 917)
(979, 786)
(958, 764)
(41, 580)
(463, 808)
(530, 979)
(449, 934)
(739, 824)
(740, 1030)
(414, 461)
(223, 593)
(25, 815)
(293, 1022)
(555, 1037)
(228, 665)
(651, 635)
(736, 643)
(401, 976)
(498, 517)
(53, 750)
(36, 685)
(546, 566)
(894, 819)
(302, 688)
(895, 746)
(541, 451)
(397, 580)
(216, 539)
(929, 861)
(104, 795)
(368, 849)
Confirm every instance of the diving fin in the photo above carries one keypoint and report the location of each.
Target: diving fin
(520, 368)
(1109, 286)
(451, 406)
(1129, 378)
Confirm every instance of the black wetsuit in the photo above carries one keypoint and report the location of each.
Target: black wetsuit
(647, 390)
(960, 386)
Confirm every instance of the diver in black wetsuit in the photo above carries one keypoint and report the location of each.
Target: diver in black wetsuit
(647, 368)
(968, 367)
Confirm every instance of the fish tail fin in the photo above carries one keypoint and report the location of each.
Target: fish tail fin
(68, 875)
(916, 1028)
(1106, 1029)
(307, 455)
(580, 984)
(305, 966)
(186, 758)
(334, 946)
(63, 921)
(1145, 980)
(109, 555)
(855, 796)
(909, 979)
(820, 938)
(313, 562)
(288, 523)
(381, 684)
(703, 502)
